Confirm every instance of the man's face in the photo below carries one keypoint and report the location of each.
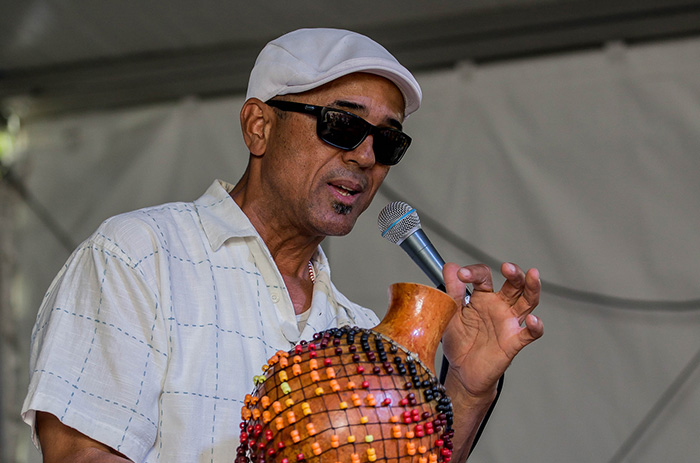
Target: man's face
(316, 188)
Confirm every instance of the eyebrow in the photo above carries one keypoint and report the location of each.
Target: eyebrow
(350, 105)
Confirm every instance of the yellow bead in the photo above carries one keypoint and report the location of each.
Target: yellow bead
(285, 388)
(306, 408)
(371, 455)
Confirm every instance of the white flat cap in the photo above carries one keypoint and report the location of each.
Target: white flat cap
(308, 58)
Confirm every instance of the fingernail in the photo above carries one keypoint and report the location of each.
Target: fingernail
(465, 273)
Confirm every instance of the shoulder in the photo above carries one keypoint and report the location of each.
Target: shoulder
(132, 233)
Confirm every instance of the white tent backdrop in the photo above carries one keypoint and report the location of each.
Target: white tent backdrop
(582, 165)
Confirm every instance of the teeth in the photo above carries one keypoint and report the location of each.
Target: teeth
(346, 192)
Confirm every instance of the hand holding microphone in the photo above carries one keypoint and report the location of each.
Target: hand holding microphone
(492, 327)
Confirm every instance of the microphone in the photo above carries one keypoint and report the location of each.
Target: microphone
(399, 223)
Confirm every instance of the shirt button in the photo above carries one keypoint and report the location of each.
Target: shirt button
(275, 297)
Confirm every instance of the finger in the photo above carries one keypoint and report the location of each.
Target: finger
(535, 329)
(530, 296)
(533, 287)
(453, 285)
(479, 275)
(515, 282)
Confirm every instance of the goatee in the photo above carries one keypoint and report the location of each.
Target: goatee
(342, 209)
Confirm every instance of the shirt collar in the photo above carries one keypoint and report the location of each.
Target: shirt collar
(220, 216)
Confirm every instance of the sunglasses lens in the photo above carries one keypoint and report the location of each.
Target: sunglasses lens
(342, 130)
(390, 146)
(346, 131)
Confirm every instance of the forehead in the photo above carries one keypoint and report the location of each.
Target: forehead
(365, 89)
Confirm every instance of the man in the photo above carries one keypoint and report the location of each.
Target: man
(148, 339)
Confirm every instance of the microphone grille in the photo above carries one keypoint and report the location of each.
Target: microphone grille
(397, 221)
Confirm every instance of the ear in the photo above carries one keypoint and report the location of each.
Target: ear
(256, 118)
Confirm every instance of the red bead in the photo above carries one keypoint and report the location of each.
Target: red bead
(365, 384)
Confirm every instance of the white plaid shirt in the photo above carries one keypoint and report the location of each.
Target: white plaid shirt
(149, 337)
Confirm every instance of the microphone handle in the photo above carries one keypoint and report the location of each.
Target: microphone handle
(423, 253)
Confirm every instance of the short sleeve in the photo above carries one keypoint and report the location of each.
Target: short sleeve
(100, 347)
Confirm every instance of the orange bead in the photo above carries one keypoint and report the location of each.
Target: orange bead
(311, 429)
(411, 448)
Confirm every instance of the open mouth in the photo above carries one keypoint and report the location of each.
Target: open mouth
(344, 190)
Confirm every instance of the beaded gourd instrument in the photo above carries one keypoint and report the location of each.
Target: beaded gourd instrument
(355, 395)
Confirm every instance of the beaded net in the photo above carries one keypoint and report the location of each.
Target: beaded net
(350, 395)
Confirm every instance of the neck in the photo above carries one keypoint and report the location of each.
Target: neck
(290, 249)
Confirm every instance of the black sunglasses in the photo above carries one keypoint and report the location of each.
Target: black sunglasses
(345, 130)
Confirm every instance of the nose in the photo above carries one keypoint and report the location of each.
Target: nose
(363, 155)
